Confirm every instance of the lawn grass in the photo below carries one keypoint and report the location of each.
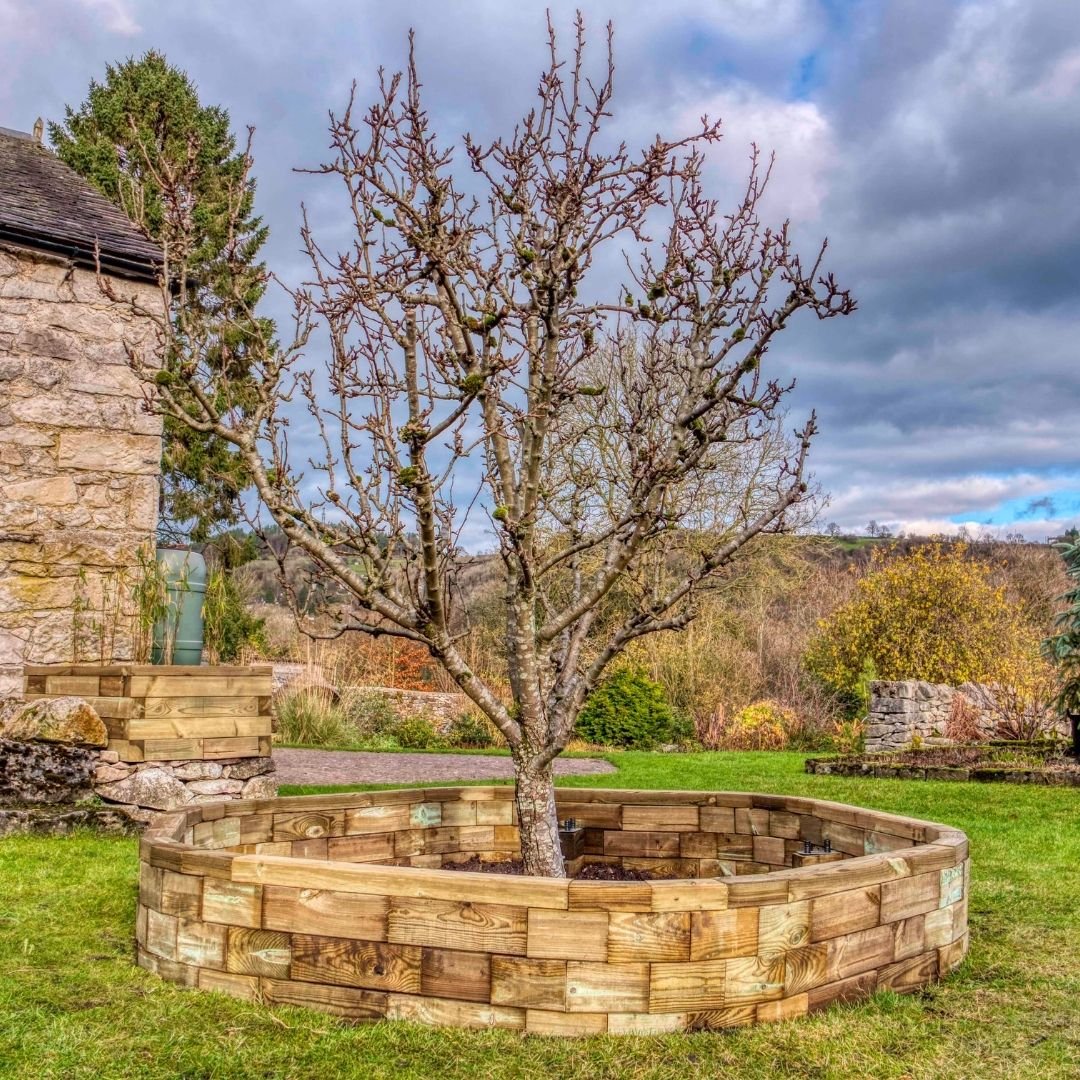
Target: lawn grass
(72, 1004)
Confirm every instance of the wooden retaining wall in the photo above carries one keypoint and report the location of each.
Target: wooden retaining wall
(168, 713)
(339, 902)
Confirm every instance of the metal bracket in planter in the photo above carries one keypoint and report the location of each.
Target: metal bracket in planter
(572, 838)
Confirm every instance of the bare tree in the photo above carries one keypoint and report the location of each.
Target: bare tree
(479, 362)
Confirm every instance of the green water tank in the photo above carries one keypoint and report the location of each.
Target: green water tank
(185, 574)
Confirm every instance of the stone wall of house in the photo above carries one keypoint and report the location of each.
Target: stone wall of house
(79, 463)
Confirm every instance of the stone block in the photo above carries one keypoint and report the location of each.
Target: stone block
(154, 787)
(35, 773)
(110, 452)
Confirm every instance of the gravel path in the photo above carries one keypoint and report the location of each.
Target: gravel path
(361, 767)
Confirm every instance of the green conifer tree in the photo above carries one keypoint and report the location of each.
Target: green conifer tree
(143, 122)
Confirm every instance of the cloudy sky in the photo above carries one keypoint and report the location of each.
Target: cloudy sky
(936, 143)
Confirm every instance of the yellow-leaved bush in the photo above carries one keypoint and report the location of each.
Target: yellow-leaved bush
(934, 614)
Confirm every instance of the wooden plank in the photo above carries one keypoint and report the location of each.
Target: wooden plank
(234, 903)
(408, 882)
(813, 881)
(805, 968)
(846, 838)
(909, 937)
(370, 847)
(246, 746)
(169, 749)
(566, 1025)
(310, 826)
(854, 954)
(842, 991)
(844, 912)
(245, 987)
(718, 819)
(200, 706)
(258, 952)
(180, 894)
(395, 817)
(784, 824)
(688, 987)
(161, 934)
(786, 1008)
(344, 1001)
(645, 1023)
(696, 894)
(535, 984)
(769, 850)
(733, 1016)
(910, 896)
(593, 987)
(636, 936)
(495, 928)
(697, 845)
(718, 935)
(452, 973)
(372, 965)
(495, 813)
(567, 935)
(202, 944)
(609, 896)
(756, 890)
(952, 955)
(198, 727)
(755, 822)
(182, 685)
(449, 1013)
(782, 927)
(909, 973)
(589, 815)
(127, 751)
(319, 911)
(655, 845)
(660, 818)
(754, 979)
(73, 685)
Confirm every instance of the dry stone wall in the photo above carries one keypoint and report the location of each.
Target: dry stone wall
(79, 458)
(902, 711)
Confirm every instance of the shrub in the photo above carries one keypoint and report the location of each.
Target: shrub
(368, 711)
(229, 627)
(312, 718)
(765, 725)
(473, 732)
(849, 736)
(933, 614)
(628, 709)
(963, 724)
(415, 733)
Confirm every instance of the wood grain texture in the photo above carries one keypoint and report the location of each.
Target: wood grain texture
(373, 965)
(568, 935)
(494, 928)
(372, 937)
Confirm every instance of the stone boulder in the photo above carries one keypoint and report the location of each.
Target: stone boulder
(53, 720)
(35, 773)
(153, 787)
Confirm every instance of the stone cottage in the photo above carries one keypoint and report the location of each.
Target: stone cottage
(79, 455)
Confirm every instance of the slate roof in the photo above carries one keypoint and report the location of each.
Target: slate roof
(46, 205)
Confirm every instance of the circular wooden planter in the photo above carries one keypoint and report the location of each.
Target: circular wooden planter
(339, 902)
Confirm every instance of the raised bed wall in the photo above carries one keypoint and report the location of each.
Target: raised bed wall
(339, 902)
(169, 713)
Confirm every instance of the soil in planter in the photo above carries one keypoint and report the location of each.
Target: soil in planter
(589, 872)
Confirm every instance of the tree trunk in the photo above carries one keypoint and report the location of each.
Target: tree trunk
(534, 794)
